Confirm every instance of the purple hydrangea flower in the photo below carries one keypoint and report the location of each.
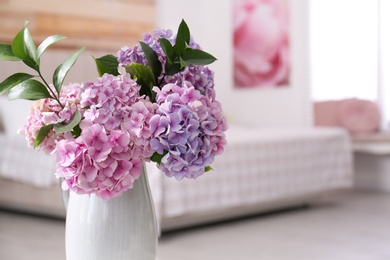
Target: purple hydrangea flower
(189, 128)
(201, 77)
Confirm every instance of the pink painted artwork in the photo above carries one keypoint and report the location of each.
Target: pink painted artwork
(261, 43)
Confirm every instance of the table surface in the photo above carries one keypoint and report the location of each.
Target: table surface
(377, 143)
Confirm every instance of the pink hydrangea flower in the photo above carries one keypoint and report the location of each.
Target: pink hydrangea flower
(48, 111)
(108, 155)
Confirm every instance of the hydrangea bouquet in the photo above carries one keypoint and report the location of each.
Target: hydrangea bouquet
(154, 102)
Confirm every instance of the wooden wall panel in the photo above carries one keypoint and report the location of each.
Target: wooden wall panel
(98, 24)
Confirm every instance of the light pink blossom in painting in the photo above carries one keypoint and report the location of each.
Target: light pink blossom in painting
(261, 43)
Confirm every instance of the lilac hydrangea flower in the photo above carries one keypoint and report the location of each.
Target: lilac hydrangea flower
(189, 128)
(201, 77)
(127, 55)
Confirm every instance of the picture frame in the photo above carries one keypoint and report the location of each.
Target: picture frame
(261, 43)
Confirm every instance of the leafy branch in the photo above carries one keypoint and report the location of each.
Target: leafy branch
(24, 86)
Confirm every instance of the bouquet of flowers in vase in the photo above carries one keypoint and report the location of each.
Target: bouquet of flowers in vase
(154, 102)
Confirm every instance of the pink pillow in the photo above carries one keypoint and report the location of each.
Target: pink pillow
(356, 115)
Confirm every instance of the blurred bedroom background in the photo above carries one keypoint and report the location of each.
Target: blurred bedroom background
(340, 57)
(324, 130)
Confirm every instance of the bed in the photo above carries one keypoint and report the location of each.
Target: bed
(262, 169)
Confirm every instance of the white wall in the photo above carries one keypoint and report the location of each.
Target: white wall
(210, 23)
(344, 49)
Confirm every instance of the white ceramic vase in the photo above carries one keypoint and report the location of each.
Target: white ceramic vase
(120, 228)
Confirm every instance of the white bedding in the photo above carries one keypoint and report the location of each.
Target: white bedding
(21, 163)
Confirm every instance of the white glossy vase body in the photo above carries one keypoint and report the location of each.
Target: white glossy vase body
(120, 228)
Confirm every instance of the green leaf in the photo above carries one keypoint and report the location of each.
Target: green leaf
(196, 57)
(24, 48)
(30, 89)
(144, 77)
(43, 132)
(63, 69)
(62, 128)
(208, 168)
(183, 64)
(107, 64)
(173, 69)
(76, 131)
(156, 157)
(31, 49)
(168, 50)
(6, 53)
(47, 42)
(13, 80)
(172, 66)
(182, 38)
(18, 46)
(152, 59)
(32, 64)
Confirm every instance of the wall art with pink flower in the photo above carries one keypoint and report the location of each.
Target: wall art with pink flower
(261, 43)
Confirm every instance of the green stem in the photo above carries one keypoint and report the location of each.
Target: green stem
(162, 79)
(50, 89)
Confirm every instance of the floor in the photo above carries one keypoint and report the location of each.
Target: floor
(346, 226)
